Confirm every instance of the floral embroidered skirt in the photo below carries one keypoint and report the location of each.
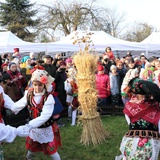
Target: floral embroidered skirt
(143, 149)
(139, 149)
(48, 148)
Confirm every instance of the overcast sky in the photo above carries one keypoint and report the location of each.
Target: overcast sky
(142, 10)
(135, 10)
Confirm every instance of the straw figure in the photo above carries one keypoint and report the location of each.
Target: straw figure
(93, 130)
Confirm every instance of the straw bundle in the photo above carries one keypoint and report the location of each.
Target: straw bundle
(93, 130)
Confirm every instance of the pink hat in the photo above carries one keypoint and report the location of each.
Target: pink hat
(69, 60)
(100, 68)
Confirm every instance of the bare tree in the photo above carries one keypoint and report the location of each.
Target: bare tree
(68, 17)
(138, 32)
(116, 20)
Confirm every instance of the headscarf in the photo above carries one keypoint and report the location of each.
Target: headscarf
(24, 59)
(43, 77)
(132, 73)
(72, 72)
(144, 87)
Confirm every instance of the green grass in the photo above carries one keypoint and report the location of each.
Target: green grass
(71, 148)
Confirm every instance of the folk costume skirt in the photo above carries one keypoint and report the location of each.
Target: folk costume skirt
(47, 148)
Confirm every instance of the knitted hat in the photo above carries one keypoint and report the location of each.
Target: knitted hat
(100, 68)
(11, 63)
(69, 60)
(43, 77)
(3, 65)
(16, 49)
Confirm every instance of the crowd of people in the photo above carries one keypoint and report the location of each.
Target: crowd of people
(131, 82)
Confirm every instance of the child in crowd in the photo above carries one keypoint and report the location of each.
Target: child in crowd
(102, 86)
(109, 52)
(114, 84)
(121, 70)
(44, 135)
(69, 63)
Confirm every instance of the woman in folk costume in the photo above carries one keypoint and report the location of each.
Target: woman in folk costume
(72, 94)
(131, 73)
(142, 112)
(7, 133)
(44, 133)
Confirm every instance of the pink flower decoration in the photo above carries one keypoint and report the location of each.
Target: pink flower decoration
(43, 80)
(142, 142)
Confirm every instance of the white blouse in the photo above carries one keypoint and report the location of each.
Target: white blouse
(41, 135)
(7, 133)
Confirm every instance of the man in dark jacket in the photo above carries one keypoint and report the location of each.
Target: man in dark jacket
(48, 66)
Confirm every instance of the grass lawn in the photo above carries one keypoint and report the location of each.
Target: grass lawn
(71, 148)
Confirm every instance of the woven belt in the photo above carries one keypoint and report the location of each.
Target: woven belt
(143, 133)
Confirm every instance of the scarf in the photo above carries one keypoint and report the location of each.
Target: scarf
(144, 110)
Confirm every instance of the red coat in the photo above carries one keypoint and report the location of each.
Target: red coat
(103, 85)
(110, 54)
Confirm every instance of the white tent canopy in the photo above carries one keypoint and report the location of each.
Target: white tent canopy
(153, 38)
(100, 39)
(152, 42)
(8, 41)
